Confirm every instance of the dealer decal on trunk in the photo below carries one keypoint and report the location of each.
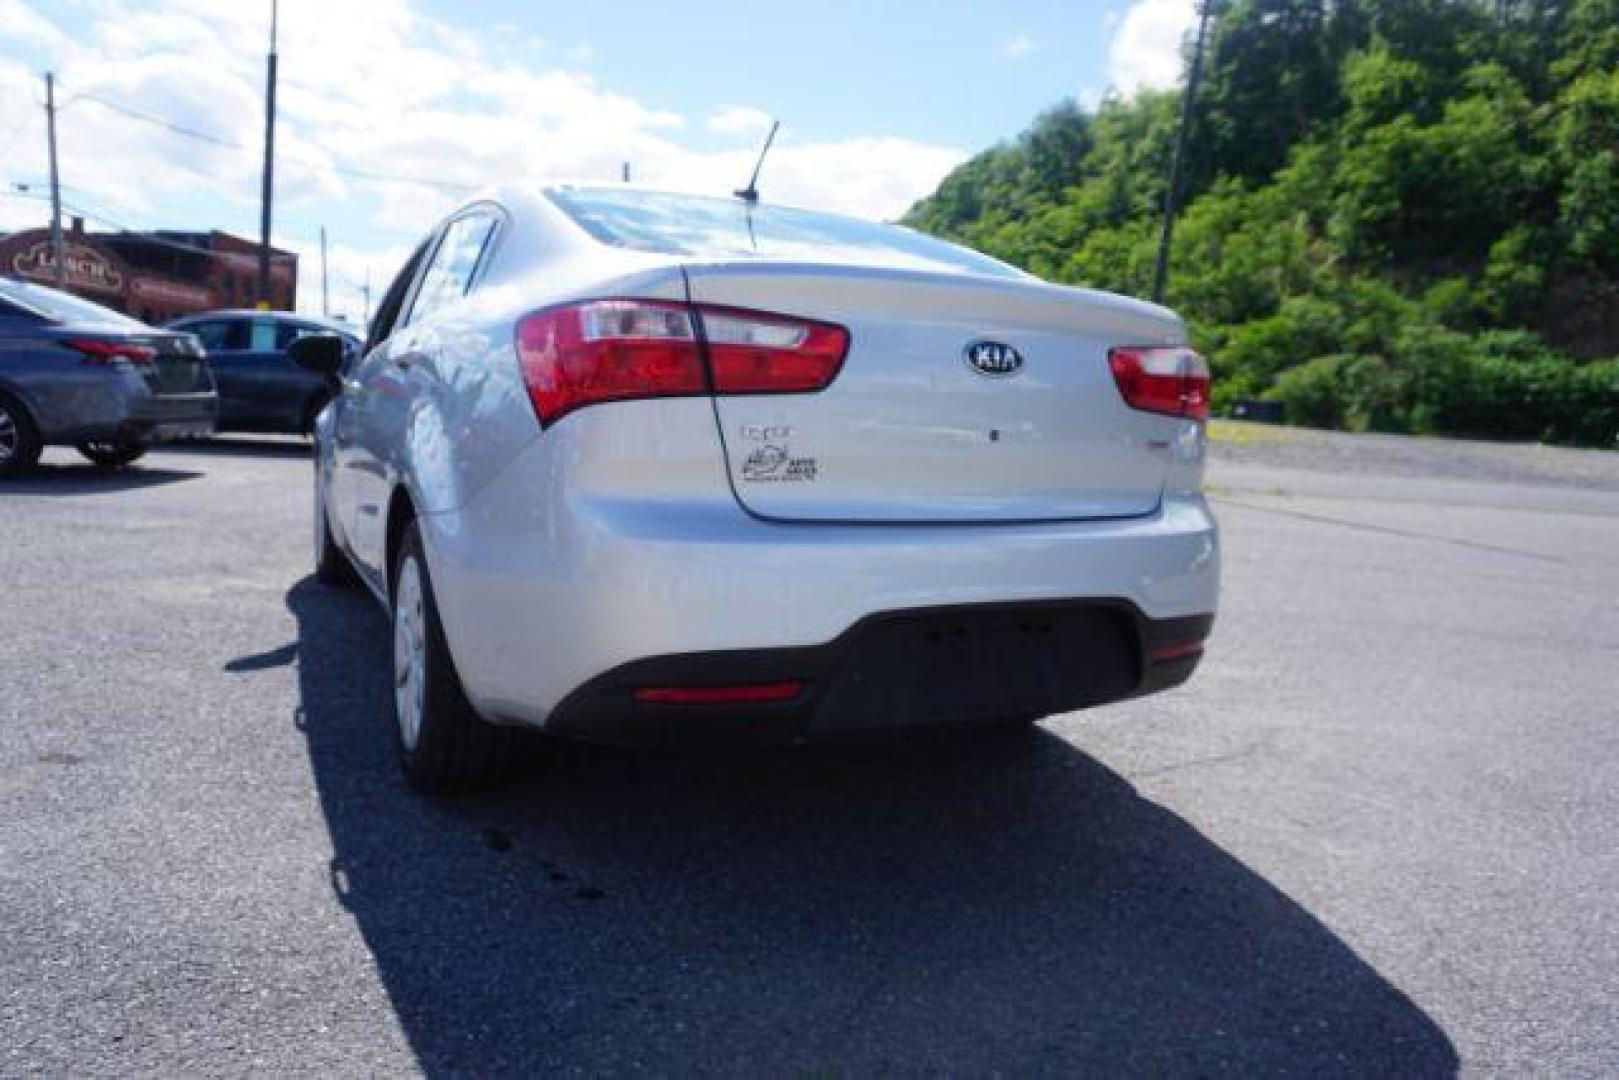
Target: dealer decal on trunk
(772, 463)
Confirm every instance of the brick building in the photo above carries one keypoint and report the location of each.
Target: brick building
(154, 276)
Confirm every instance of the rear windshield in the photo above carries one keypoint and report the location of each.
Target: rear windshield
(63, 307)
(708, 228)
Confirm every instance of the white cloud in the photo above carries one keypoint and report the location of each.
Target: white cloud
(871, 177)
(1018, 46)
(378, 142)
(740, 121)
(1145, 52)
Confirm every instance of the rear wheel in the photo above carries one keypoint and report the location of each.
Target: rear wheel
(446, 748)
(19, 439)
(112, 454)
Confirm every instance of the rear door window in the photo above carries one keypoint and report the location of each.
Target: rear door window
(455, 261)
(220, 335)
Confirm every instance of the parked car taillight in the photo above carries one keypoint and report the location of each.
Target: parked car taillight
(110, 352)
(1171, 379)
(616, 350)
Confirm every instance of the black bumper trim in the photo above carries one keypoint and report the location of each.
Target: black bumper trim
(929, 667)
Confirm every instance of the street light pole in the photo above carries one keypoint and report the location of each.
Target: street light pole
(269, 168)
(1160, 277)
(58, 262)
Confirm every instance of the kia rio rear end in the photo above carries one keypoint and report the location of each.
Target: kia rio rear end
(636, 467)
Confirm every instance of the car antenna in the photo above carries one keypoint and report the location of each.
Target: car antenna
(750, 194)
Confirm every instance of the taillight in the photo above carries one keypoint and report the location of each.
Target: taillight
(1172, 380)
(616, 350)
(110, 352)
(754, 353)
(608, 350)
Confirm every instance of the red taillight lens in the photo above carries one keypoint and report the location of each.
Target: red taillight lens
(608, 350)
(1172, 380)
(616, 350)
(754, 353)
(110, 352)
(750, 694)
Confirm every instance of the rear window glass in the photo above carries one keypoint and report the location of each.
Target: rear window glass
(708, 228)
(63, 307)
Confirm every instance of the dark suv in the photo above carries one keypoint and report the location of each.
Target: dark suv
(73, 373)
(260, 389)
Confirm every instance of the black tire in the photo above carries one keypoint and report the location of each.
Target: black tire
(454, 750)
(20, 445)
(111, 454)
(332, 567)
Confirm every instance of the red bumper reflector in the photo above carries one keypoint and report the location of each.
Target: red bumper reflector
(1174, 650)
(753, 694)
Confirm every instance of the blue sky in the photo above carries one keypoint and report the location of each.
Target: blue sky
(393, 110)
(950, 72)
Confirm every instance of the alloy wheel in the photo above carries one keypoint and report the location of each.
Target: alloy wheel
(410, 652)
(10, 437)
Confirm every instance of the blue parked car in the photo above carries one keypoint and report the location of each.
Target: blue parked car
(73, 373)
(260, 389)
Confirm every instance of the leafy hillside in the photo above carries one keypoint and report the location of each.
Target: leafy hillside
(1399, 214)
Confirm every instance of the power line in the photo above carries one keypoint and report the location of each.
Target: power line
(98, 216)
(231, 144)
(145, 117)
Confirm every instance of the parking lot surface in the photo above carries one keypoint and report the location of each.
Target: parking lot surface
(1375, 834)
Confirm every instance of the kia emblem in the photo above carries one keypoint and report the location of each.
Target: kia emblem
(993, 358)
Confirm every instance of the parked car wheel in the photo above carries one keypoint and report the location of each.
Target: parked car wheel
(112, 455)
(332, 567)
(19, 439)
(445, 746)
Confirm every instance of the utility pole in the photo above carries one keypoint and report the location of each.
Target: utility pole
(269, 168)
(366, 292)
(58, 263)
(325, 300)
(626, 172)
(1160, 277)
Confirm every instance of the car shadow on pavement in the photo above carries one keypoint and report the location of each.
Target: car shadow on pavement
(57, 480)
(999, 903)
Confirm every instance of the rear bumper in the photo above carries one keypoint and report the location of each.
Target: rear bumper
(546, 594)
(898, 671)
(117, 405)
(172, 416)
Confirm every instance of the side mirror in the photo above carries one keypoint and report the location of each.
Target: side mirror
(320, 353)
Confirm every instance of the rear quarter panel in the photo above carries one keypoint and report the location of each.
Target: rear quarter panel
(471, 413)
(63, 397)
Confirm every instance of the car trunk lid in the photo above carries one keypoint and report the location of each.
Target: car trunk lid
(179, 366)
(169, 363)
(961, 399)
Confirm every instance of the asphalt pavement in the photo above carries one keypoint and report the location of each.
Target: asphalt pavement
(1374, 836)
